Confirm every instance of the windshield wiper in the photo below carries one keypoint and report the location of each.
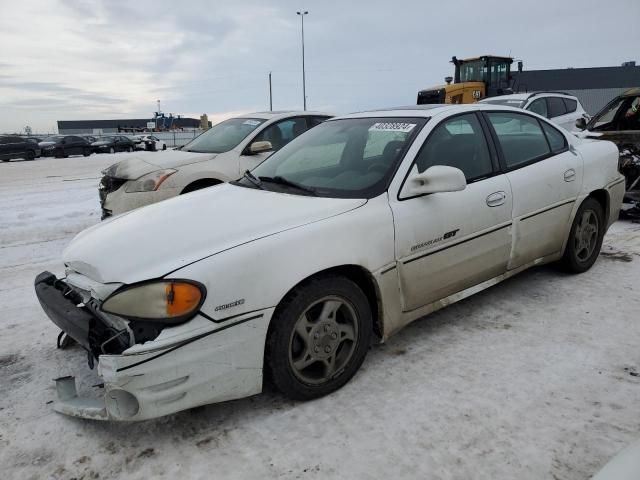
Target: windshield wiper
(283, 181)
(252, 178)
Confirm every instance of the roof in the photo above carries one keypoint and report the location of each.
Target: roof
(481, 57)
(525, 96)
(282, 113)
(577, 78)
(124, 123)
(427, 111)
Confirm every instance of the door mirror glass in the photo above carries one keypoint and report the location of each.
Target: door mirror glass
(581, 123)
(439, 178)
(259, 147)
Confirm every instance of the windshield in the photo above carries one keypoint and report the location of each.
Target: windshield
(224, 136)
(507, 102)
(53, 139)
(605, 117)
(105, 139)
(349, 158)
(473, 71)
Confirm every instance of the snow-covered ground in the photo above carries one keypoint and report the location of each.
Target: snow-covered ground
(536, 378)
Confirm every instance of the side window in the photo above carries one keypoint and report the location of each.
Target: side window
(556, 139)
(556, 107)
(281, 133)
(520, 136)
(570, 104)
(458, 142)
(539, 106)
(315, 121)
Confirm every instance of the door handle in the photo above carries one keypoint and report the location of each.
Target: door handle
(570, 175)
(496, 199)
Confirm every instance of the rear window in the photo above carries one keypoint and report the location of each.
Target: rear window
(556, 107)
(570, 104)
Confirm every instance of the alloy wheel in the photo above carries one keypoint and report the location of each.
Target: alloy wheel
(323, 340)
(586, 235)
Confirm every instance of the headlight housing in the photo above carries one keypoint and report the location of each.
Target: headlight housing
(149, 182)
(167, 301)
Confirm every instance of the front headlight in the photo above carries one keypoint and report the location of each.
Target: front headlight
(149, 182)
(167, 301)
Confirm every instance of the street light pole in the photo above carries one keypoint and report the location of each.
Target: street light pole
(304, 87)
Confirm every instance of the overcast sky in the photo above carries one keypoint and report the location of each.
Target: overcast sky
(76, 59)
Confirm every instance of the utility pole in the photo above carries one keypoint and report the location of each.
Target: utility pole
(270, 95)
(304, 87)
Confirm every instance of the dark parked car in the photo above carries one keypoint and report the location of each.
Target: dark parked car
(12, 146)
(64, 145)
(113, 144)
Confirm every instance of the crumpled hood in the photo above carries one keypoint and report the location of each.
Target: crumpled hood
(152, 241)
(135, 166)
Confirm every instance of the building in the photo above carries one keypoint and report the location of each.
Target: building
(70, 127)
(594, 87)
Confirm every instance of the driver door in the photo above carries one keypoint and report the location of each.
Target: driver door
(449, 241)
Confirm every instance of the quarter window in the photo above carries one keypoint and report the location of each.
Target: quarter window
(556, 139)
(571, 104)
(458, 142)
(556, 107)
(520, 136)
(538, 106)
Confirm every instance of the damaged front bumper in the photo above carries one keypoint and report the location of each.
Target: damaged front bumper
(194, 364)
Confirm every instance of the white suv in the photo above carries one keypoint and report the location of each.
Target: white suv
(561, 108)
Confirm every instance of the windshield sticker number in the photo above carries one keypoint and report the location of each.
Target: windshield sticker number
(392, 127)
(253, 123)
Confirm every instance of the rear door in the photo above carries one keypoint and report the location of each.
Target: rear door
(447, 242)
(558, 114)
(545, 177)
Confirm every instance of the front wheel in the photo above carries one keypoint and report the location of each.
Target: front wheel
(129, 149)
(585, 237)
(319, 337)
(164, 146)
(31, 155)
(86, 152)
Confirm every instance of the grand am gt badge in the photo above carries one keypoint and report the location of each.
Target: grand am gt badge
(429, 243)
(229, 305)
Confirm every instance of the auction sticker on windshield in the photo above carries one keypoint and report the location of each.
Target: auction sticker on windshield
(253, 123)
(392, 127)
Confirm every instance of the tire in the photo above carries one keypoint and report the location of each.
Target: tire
(31, 155)
(585, 237)
(112, 150)
(86, 152)
(318, 338)
(164, 146)
(59, 153)
(129, 149)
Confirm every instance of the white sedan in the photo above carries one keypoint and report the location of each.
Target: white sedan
(150, 142)
(348, 233)
(220, 154)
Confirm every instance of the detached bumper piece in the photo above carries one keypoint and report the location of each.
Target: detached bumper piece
(65, 308)
(70, 404)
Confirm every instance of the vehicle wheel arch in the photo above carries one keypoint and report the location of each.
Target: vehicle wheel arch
(358, 275)
(602, 197)
(200, 183)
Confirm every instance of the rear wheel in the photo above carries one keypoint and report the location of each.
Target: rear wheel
(318, 337)
(59, 153)
(129, 149)
(164, 146)
(31, 155)
(585, 237)
(86, 152)
(112, 150)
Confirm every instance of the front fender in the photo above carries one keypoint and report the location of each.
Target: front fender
(258, 274)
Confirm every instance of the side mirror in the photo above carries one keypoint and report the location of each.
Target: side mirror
(439, 178)
(259, 147)
(581, 123)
